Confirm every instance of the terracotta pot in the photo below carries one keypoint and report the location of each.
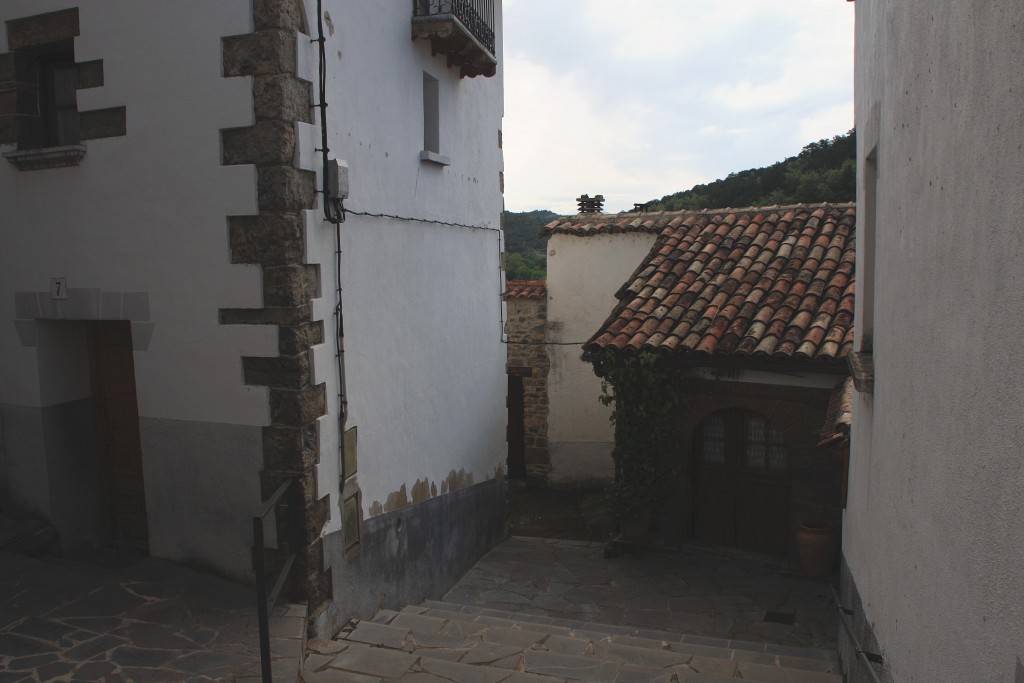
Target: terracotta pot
(636, 526)
(817, 547)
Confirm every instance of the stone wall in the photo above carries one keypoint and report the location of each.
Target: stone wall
(275, 240)
(528, 358)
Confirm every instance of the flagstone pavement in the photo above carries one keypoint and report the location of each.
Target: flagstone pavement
(699, 591)
(145, 620)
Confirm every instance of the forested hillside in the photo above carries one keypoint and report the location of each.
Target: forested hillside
(524, 248)
(824, 171)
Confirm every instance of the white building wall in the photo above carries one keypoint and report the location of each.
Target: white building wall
(934, 524)
(139, 229)
(583, 275)
(422, 301)
(424, 359)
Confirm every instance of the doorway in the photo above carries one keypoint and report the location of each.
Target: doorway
(516, 429)
(742, 483)
(118, 443)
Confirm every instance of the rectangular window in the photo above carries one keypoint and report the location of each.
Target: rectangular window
(50, 118)
(431, 115)
(432, 122)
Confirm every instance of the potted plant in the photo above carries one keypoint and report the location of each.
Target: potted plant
(817, 544)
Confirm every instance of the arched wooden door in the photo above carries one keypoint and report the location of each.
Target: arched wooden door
(741, 483)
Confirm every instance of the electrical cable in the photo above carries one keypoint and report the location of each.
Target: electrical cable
(334, 212)
(418, 220)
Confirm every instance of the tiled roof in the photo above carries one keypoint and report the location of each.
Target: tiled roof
(525, 289)
(774, 283)
(586, 224)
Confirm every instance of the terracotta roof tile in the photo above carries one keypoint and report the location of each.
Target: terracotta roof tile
(773, 282)
(525, 289)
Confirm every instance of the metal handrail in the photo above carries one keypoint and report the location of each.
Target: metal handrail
(868, 658)
(476, 15)
(265, 600)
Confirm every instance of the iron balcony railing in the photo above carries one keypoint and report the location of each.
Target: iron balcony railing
(476, 15)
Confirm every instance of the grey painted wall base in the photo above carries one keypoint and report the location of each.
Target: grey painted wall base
(854, 667)
(201, 478)
(413, 554)
(50, 468)
(202, 490)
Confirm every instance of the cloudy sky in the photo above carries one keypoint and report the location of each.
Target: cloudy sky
(636, 99)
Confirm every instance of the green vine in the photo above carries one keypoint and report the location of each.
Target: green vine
(646, 393)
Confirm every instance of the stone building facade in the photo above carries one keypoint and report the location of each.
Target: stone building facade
(197, 312)
(527, 368)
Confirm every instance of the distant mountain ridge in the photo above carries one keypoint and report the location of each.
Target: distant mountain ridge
(823, 171)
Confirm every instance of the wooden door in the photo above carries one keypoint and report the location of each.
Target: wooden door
(516, 430)
(741, 483)
(117, 435)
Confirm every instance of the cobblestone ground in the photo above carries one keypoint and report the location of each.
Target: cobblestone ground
(697, 591)
(148, 621)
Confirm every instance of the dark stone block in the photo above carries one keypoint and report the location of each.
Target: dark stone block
(285, 188)
(281, 372)
(283, 14)
(264, 316)
(267, 143)
(295, 339)
(269, 238)
(283, 97)
(292, 285)
(42, 29)
(264, 53)
(297, 408)
(90, 74)
(103, 123)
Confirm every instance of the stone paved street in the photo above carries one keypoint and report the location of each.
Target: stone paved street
(148, 621)
(553, 611)
(700, 591)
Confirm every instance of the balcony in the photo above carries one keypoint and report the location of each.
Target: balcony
(463, 30)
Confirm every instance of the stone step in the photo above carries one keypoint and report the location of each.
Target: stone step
(362, 663)
(794, 657)
(442, 641)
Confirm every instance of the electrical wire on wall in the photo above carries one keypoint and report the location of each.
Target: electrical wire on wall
(334, 212)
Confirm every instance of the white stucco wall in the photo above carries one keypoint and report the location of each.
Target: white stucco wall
(422, 302)
(146, 212)
(144, 216)
(583, 275)
(934, 525)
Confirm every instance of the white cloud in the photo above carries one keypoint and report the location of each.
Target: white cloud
(561, 142)
(637, 100)
(825, 123)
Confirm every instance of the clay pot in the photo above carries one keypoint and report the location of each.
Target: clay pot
(818, 547)
(636, 527)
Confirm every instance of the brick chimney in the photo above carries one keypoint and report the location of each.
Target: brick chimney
(590, 204)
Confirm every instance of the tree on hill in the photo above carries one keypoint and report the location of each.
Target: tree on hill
(522, 231)
(524, 247)
(824, 171)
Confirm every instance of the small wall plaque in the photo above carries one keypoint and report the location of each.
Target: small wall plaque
(59, 288)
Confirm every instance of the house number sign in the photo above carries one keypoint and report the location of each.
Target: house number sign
(58, 288)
